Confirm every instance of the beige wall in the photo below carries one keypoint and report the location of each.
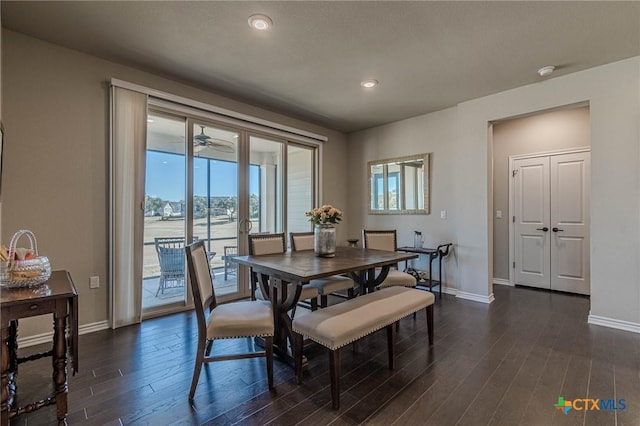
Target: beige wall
(432, 133)
(539, 133)
(56, 163)
(462, 176)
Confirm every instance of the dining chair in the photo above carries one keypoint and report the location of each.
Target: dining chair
(325, 286)
(227, 321)
(386, 240)
(260, 244)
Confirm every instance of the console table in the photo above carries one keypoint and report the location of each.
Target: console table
(433, 253)
(58, 296)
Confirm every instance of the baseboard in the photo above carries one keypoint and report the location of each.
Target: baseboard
(450, 290)
(614, 323)
(38, 339)
(501, 281)
(475, 297)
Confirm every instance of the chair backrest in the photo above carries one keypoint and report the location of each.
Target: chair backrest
(380, 240)
(301, 240)
(170, 254)
(266, 244)
(200, 278)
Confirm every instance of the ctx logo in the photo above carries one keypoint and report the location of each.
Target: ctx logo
(589, 404)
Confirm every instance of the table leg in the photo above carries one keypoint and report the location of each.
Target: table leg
(4, 376)
(60, 365)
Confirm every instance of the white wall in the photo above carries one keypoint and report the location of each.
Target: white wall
(460, 140)
(56, 111)
(431, 133)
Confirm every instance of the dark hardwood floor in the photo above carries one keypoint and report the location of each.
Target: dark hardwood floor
(500, 364)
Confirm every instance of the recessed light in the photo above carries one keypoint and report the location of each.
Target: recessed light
(545, 71)
(369, 83)
(260, 22)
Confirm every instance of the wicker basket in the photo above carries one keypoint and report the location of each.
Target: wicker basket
(24, 273)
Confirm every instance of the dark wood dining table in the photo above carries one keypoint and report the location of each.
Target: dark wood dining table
(368, 268)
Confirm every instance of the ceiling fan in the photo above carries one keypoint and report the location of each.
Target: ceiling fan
(203, 141)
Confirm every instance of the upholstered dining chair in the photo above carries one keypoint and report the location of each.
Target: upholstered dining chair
(260, 244)
(386, 240)
(228, 321)
(325, 286)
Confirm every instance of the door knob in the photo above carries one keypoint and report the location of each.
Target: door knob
(557, 230)
(545, 229)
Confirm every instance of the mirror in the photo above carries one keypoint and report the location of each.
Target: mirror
(399, 185)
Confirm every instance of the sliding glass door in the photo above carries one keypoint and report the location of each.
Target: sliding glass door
(215, 182)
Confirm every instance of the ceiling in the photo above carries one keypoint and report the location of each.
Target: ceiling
(427, 55)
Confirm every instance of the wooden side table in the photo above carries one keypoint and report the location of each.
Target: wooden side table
(58, 296)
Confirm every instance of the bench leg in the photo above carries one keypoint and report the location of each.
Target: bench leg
(324, 301)
(334, 366)
(297, 354)
(268, 353)
(391, 344)
(430, 323)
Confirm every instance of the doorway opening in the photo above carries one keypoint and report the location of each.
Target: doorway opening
(543, 138)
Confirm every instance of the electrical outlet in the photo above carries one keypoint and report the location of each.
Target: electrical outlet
(443, 214)
(94, 282)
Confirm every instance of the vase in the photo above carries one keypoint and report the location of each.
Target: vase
(324, 240)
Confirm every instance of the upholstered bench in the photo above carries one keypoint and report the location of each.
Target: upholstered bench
(338, 325)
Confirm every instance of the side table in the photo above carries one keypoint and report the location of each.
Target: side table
(58, 296)
(433, 253)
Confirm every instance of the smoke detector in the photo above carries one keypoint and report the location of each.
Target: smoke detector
(545, 71)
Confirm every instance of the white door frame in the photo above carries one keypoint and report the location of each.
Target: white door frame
(512, 255)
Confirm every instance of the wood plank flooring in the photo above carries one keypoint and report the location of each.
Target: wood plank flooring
(500, 364)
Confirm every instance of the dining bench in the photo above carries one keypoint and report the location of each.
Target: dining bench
(339, 325)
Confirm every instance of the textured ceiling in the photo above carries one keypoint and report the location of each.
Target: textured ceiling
(426, 55)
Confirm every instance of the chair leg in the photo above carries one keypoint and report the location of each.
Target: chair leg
(334, 366)
(350, 293)
(197, 367)
(430, 323)
(391, 344)
(314, 303)
(297, 354)
(207, 351)
(268, 349)
(160, 286)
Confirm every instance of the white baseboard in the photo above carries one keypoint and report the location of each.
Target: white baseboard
(614, 323)
(475, 297)
(501, 281)
(37, 339)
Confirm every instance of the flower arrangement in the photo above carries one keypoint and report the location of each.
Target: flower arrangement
(325, 214)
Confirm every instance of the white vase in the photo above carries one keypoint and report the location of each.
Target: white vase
(324, 240)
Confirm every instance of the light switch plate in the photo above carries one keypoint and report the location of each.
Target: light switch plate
(498, 214)
(443, 214)
(94, 282)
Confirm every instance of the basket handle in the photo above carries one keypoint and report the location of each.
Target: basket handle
(13, 245)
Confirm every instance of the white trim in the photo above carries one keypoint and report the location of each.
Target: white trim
(216, 110)
(475, 297)
(37, 339)
(450, 290)
(512, 228)
(501, 281)
(633, 327)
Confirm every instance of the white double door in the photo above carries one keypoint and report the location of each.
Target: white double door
(551, 218)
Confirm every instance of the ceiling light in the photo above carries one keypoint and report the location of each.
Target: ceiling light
(369, 83)
(149, 120)
(545, 71)
(260, 22)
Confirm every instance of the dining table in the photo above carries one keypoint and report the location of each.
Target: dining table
(275, 272)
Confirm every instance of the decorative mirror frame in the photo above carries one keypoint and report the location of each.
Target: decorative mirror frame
(426, 183)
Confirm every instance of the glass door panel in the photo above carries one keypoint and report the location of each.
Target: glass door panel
(265, 172)
(215, 202)
(163, 280)
(300, 187)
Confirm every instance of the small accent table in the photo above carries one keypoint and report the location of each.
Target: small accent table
(433, 253)
(58, 296)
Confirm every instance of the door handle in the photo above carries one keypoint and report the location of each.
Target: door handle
(545, 229)
(557, 230)
(240, 227)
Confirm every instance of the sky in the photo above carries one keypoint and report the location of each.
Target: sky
(165, 177)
